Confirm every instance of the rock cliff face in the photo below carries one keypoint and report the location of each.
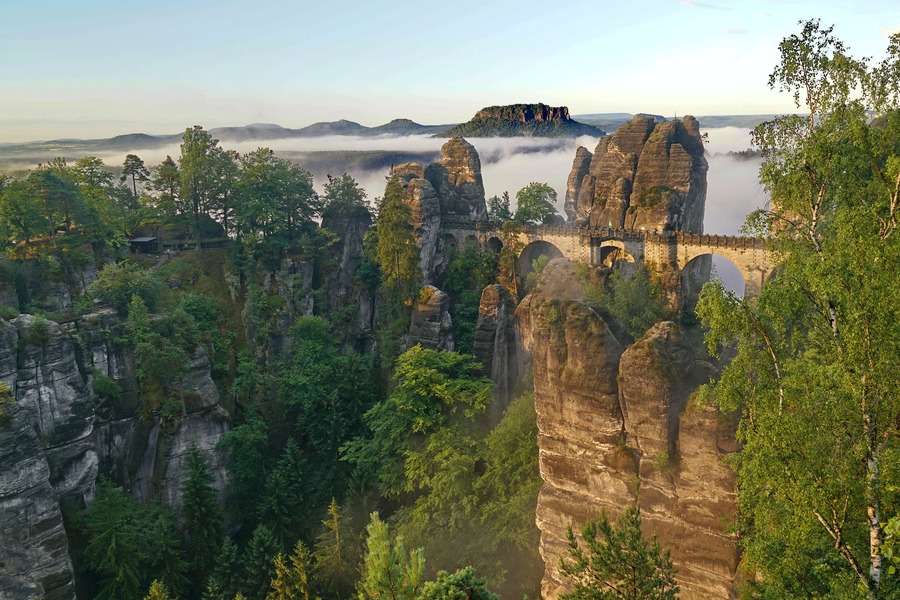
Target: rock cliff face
(431, 325)
(646, 174)
(457, 180)
(34, 552)
(615, 428)
(449, 190)
(495, 345)
(63, 437)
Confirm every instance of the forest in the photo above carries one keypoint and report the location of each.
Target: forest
(360, 467)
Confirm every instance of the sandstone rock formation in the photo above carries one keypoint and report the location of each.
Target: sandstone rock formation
(63, 436)
(646, 174)
(457, 180)
(495, 345)
(443, 192)
(615, 428)
(430, 325)
(34, 554)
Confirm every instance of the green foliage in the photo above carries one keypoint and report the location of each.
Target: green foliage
(245, 448)
(335, 557)
(225, 581)
(117, 283)
(291, 581)
(342, 196)
(158, 591)
(106, 387)
(462, 584)
(326, 392)
(537, 267)
(201, 520)
(259, 563)
(433, 389)
(397, 252)
(134, 168)
(130, 544)
(388, 571)
(498, 208)
(535, 203)
(276, 200)
(618, 564)
(468, 273)
(160, 360)
(286, 497)
(478, 500)
(637, 302)
(814, 373)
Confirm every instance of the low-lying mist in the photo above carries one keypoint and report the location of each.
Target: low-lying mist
(508, 164)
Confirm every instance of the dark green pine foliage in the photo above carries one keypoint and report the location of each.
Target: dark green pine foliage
(326, 392)
(259, 563)
(130, 544)
(225, 581)
(617, 563)
(246, 450)
(201, 519)
(283, 507)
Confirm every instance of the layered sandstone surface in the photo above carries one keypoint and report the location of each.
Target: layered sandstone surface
(647, 174)
(616, 428)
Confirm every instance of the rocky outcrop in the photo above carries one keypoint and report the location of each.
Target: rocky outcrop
(580, 168)
(423, 202)
(63, 436)
(431, 325)
(615, 428)
(538, 120)
(646, 175)
(495, 345)
(34, 555)
(457, 180)
(442, 193)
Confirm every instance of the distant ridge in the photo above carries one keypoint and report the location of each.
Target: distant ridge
(522, 120)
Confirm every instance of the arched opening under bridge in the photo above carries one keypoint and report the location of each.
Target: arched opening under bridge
(531, 253)
(709, 267)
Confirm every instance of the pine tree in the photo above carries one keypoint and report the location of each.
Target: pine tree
(201, 518)
(225, 579)
(334, 564)
(259, 562)
(291, 581)
(388, 571)
(158, 591)
(619, 564)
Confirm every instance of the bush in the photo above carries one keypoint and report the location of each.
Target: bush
(117, 283)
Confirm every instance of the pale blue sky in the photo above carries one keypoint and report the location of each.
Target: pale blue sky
(99, 68)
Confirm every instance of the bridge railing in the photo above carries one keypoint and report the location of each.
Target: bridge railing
(612, 233)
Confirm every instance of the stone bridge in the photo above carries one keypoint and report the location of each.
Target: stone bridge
(661, 252)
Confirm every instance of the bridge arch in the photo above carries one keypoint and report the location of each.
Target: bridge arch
(532, 252)
(611, 251)
(710, 267)
(494, 244)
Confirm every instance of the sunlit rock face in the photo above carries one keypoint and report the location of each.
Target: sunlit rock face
(645, 175)
(457, 180)
(616, 428)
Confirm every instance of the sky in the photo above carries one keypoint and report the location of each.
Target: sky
(92, 69)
